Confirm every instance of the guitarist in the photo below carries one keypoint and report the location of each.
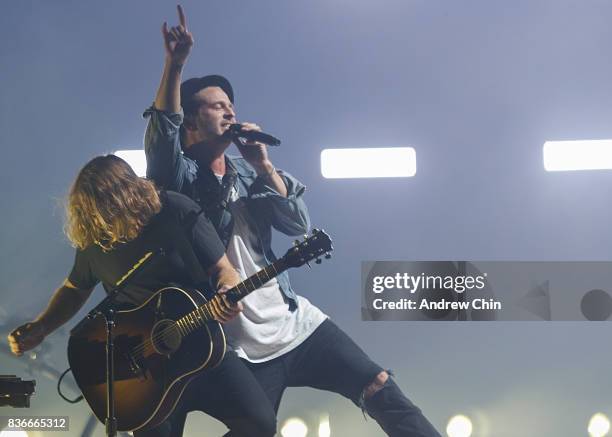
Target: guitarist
(113, 219)
(283, 339)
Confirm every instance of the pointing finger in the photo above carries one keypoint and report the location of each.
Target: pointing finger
(181, 14)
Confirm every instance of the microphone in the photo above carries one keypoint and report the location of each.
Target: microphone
(236, 132)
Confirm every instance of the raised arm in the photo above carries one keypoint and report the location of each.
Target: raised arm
(165, 163)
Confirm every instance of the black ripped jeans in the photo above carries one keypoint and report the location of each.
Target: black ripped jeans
(330, 360)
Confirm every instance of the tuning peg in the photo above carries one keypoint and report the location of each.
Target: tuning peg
(318, 261)
(316, 231)
(327, 255)
(296, 242)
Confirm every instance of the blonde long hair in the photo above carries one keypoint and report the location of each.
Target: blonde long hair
(108, 204)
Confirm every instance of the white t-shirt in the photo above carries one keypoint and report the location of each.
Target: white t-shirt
(265, 329)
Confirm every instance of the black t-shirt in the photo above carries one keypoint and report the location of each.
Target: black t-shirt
(92, 265)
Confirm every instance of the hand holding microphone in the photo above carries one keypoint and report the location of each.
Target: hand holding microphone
(251, 142)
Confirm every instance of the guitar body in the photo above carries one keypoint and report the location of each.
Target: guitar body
(148, 380)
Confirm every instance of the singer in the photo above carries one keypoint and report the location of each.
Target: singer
(283, 340)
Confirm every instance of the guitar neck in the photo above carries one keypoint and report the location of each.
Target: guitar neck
(318, 244)
(255, 281)
(202, 314)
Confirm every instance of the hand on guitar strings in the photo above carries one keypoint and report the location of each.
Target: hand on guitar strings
(222, 308)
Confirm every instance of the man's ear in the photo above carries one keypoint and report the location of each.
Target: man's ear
(189, 122)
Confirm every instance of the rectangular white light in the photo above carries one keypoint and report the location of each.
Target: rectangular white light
(136, 159)
(383, 162)
(578, 155)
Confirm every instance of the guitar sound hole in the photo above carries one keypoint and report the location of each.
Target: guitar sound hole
(165, 337)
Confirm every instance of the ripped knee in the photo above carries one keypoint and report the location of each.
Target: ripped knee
(377, 384)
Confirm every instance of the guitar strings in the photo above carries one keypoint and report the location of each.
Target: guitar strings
(142, 347)
(208, 315)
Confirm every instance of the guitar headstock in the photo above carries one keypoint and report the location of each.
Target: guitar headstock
(313, 247)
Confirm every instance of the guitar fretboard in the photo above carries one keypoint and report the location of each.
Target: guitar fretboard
(198, 317)
(254, 282)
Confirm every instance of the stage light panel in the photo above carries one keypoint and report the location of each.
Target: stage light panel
(383, 162)
(577, 155)
(136, 158)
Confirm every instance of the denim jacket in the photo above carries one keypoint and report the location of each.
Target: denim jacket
(172, 170)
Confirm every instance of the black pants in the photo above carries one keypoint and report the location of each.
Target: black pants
(246, 395)
(330, 360)
(229, 393)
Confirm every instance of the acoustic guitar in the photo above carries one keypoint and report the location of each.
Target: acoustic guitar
(164, 343)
